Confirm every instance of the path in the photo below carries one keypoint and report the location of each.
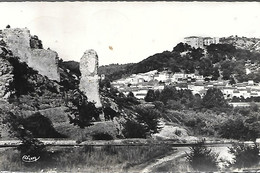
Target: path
(221, 149)
(181, 151)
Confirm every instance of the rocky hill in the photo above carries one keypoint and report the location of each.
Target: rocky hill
(252, 44)
(43, 93)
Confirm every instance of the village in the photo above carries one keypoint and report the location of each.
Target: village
(139, 84)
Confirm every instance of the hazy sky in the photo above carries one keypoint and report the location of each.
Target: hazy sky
(123, 32)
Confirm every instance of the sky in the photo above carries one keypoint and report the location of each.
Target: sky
(128, 32)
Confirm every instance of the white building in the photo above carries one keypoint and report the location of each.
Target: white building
(200, 42)
(208, 40)
(194, 41)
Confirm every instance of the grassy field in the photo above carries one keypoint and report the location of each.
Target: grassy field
(85, 159)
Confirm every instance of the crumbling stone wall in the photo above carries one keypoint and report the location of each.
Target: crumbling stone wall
(18, 41)
(46, 62)
(89, 84)
(29, 49)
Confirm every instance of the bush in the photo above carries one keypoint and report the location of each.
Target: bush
(174, 105)
(133, 129)
(30, 146)
(41, 126)
(245, 156)
(159, 106)
(201, 158)
(102, 136)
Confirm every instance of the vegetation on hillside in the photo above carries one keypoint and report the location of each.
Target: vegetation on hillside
(208, 116)
(217, 61)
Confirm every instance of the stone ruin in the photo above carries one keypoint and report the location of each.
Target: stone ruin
(29, 49)
(89, 82)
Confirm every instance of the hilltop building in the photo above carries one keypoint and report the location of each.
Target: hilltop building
(200, 42)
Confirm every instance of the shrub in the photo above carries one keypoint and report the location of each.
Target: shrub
(174, 105)
(159, 105)
(178, 132)
(133, 129)
(245, 156)
(41, 126)
(102, 136)
(201, 158)
(29, 145)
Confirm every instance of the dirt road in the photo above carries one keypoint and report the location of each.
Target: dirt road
(181, 151)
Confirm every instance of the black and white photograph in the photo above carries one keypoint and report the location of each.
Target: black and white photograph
(130, 87)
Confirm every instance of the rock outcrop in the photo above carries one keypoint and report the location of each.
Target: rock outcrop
(89, 79)
(29, 49)
(6, 78)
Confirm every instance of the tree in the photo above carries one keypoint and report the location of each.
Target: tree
(133, 129)
(234, 129)
(157, 94)
(214, 98)
(227, 68)
(201, 158)
(130, 94)
(105, 83)
(205, 67)
(169, 93)
(232, 81)
(245, 156)
(215, 74)
(182, 47)
(196, 54)
(196, 103)
(149, 118)
(150, 96)
(83, 110)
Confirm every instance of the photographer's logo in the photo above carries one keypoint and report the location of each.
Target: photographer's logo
(28, 158)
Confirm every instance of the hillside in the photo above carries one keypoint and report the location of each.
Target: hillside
(252, 44)
(226, 61)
